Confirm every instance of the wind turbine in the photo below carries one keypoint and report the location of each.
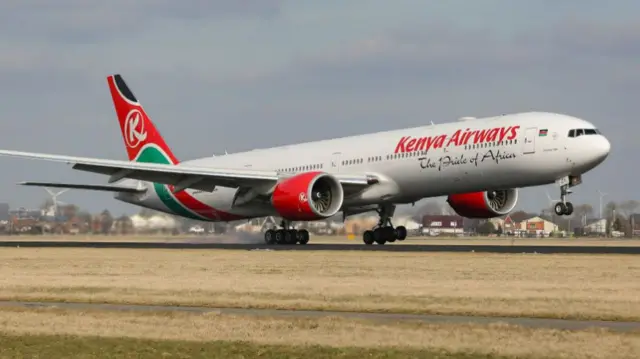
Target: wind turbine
(601, 196)
(54, 198)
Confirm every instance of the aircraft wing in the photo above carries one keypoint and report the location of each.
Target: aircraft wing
(94, 187)
(180, 176)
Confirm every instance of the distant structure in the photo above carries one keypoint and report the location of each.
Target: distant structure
(53, 211)
(434, 225)
(4, 212)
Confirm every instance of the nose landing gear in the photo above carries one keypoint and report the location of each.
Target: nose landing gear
(564, 208)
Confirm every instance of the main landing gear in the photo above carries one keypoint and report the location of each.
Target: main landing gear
(286, 235)
(385, 232)
(564, 208)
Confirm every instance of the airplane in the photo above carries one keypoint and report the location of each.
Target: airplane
(478, 163)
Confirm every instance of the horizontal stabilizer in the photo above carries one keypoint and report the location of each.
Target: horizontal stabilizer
(93, 187)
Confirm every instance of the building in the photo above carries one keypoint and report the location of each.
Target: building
(634, 224)
(536, 226)
(595, 226)
(507, 224)
(442, 224)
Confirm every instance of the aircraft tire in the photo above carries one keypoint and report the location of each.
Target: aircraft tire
(390, 234)
(289, 236)
(303, 236)
(368, 238)
(569, 209)
(401, 233)
(379, 236)
(280, 239)
(560, 208)
(270, 236)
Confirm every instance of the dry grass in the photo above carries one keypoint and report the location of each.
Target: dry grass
(333, 332)
(560, 286)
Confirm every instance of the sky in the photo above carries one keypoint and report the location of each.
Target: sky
(235, 75)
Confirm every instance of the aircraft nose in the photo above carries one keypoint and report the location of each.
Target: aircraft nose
(601, 147)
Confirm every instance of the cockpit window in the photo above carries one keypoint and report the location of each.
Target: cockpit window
(584, 131)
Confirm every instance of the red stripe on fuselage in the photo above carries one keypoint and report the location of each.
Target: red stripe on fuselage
(203, 209)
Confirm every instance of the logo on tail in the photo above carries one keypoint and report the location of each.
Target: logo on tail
(134, 131)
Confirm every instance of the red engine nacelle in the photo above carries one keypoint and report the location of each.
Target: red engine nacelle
(487, 204)
(308, 196)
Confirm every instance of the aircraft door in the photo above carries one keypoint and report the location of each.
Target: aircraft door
(334, 163)
(529, 143)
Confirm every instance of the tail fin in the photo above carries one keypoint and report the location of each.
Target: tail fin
(138, 131)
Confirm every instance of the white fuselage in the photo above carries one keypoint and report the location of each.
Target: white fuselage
(421, 162)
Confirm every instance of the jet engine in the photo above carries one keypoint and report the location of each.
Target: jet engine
(486, 204)
(308, 196)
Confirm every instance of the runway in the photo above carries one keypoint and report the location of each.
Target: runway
(394, 247)
(560, 324)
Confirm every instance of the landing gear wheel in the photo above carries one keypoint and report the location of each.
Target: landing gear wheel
(379, 236)
(270, 236)
(368, 237)
(290, 236)
(568, 209)
(401, 233)
(560, 208)
(389, 234)
(303, 236)
(564, 208)
(280, 236)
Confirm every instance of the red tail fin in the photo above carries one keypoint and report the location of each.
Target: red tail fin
(137, 129)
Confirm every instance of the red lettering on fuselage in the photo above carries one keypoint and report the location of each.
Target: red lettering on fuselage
(457, 138)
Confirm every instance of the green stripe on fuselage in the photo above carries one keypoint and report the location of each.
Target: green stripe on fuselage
(153, 155)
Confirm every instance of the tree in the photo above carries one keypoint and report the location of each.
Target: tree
(147, 213)
(85, 217)
(126, 225)
(69, 211)
(106, 221)
(629, 207)
(609, 208)
(519, 216)
(429, 207)
(499, 231)
(486, 228)
(582, 210)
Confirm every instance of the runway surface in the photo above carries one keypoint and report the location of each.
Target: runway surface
(561, 324)
(393, 247)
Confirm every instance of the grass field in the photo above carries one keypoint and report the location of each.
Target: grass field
(92, 334)
(556, 286)
(63, 347)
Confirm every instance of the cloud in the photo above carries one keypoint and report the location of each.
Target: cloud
(85, 22)
(442, 53)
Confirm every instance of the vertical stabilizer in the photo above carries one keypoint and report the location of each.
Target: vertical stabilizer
(141, 138)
